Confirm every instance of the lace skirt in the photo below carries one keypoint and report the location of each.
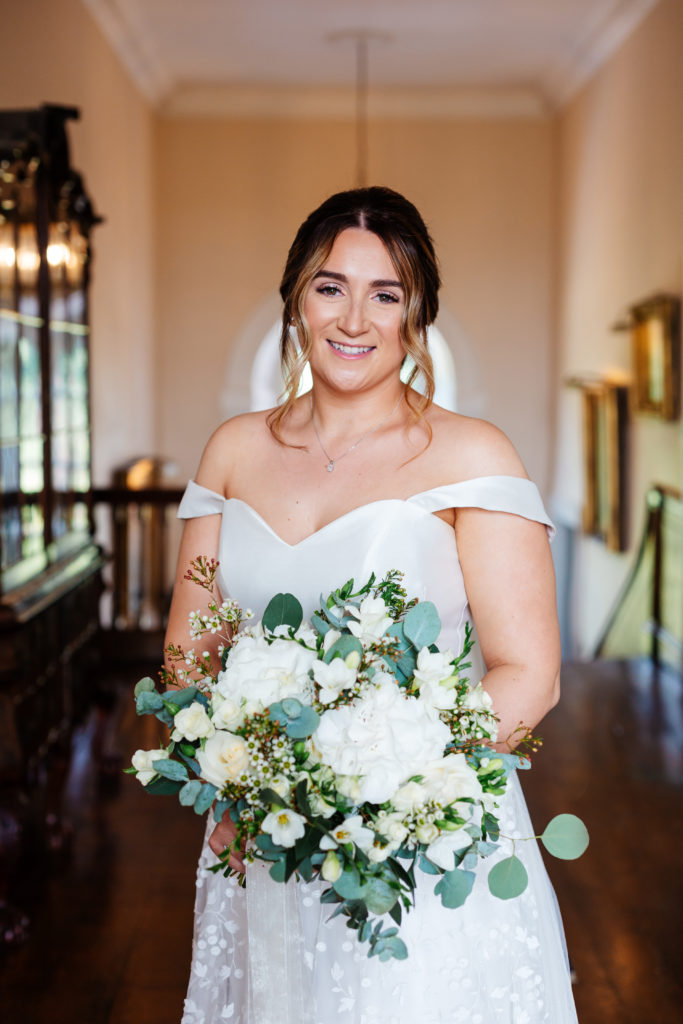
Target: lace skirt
(488, 962)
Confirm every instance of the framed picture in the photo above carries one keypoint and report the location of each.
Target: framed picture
(605, 406)
(656, 355)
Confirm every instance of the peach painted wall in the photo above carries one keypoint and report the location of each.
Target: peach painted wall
(621, 239)
(55, 53)
(231, 194)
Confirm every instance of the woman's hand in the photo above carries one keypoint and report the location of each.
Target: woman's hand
(224, 835)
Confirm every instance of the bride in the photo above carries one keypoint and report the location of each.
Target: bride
(365, 474)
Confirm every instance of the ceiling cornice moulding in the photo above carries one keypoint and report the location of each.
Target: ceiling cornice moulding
(601, 42)
(310, 102)
(145, 72)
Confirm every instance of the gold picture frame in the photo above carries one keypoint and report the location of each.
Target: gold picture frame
(605, 416)
(656, 356)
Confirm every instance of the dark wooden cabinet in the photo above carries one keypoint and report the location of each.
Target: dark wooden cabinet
(49, 563)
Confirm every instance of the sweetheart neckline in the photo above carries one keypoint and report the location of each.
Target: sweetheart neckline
(338, 519)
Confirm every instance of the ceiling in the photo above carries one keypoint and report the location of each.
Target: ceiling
(246, 56)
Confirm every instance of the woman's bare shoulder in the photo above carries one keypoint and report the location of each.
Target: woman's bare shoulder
(467, 447)
(232, 439)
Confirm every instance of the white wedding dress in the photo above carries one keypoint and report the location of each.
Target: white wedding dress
(488, 962)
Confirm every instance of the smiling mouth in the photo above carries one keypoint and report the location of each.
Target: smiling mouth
(350, 350)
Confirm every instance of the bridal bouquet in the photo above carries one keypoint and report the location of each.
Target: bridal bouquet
(348, 747)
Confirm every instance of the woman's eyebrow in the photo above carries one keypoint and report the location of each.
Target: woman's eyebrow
(380, 283)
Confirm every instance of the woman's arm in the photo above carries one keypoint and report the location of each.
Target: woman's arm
(510, 584)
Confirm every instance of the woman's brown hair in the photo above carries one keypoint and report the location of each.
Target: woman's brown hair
(399, 225)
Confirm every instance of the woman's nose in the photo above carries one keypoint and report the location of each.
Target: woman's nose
(353, 320)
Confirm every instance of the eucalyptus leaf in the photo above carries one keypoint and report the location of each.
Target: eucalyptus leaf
(163, 787)
(349, 885)
(379, 897)
(454, 887)
(181, 698)
(189, 793)
(342, 647)
(269, 796)
(205, 798)
(148, 702)
(508, 878)
(279, 870)
(291, 707)
(303, 726)
(174, 770)
(565, 837)
(221, 807)
(145, 685)
(422, 624)
(282, 610)
(427, 866)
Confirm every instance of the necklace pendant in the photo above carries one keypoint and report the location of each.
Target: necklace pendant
(330, 466)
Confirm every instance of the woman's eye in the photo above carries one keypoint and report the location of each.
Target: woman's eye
(386, 297)
(328, 289)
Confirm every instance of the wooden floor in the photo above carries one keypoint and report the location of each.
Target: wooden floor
(111, 925)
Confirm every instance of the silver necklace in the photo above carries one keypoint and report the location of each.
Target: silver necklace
(330, 461)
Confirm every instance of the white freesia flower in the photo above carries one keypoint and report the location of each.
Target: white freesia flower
(193, 723)
(409, 797)
(379, 853)
(450, 779)
(426, 832)
(350, 831)
(264, 673)
(349, 786)
(435, 667)
(332, 679)
(330, 638)
(142, 760)
(383, 737)
(441, 852)
(281, 785)
(320, 806)
(284, 825)
(372, 619)
(224, 758)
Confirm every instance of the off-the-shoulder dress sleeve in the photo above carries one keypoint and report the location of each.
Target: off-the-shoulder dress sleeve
(199, 501)
(512, 494)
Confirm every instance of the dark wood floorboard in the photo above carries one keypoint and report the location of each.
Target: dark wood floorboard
(111, 926)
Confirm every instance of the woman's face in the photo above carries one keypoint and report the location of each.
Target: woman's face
(353, 308)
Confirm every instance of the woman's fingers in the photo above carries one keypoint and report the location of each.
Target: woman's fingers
(224, 835)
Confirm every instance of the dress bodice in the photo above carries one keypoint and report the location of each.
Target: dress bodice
(255, 563)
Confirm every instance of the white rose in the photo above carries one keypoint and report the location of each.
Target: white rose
(227, 713)
(264, 673)
(284, 826)
(193, 723)
(332, 679)
(372, 617)
(450, 779)
(383, 736)
(441, 851)
(224, 758)
(143, 760)
(409, 797)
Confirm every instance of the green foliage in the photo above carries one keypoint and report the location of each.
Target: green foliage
(565, 836)
(454, 887)
(422, 624)
(283, 610)
(221, 807)
(174, 770)
(299, 719)
(189, 793)
(349, 884)
(345, 645)
(508, 878)
(378, 896)
(145, 685)
(205, 798)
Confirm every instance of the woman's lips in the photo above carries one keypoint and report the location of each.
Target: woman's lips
(350, 351)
